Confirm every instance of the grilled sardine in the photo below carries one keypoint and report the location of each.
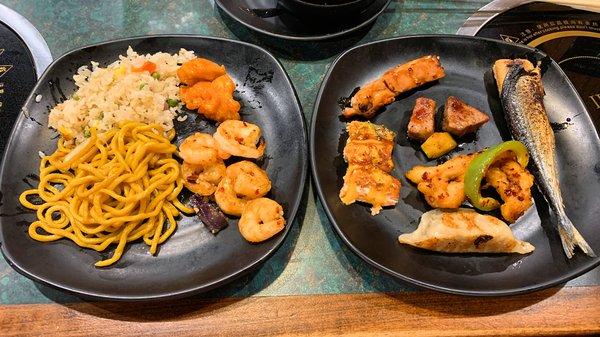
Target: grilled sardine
(521, 94)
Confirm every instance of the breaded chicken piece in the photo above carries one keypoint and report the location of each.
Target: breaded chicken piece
(383, 91)
(213, 99)
(513, 183)
(371, 185)
(199, 69)
(443, 185)
(422, 120)
(461, 118)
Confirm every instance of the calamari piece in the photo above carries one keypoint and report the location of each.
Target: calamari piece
(371, 185)
(443, 185)
(513, 184)
(464, 231)
(382, 91)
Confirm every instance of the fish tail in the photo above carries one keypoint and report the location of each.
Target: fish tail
(570, 238)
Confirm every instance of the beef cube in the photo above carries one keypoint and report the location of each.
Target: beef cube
(461, 118)
(422, 120)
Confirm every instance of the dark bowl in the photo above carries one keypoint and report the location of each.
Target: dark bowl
(335, 9)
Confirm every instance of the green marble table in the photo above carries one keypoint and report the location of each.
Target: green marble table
(313, 260)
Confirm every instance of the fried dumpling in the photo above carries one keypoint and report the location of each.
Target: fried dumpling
(464, 231)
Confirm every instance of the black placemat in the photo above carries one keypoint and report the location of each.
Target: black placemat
(17, 78)
(570, 36)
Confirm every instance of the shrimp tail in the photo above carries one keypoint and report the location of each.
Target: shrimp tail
(570, 238)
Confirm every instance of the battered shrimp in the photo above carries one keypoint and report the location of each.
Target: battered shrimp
(261, 219)
(249, 180)
(243, 181)
(199, 149)
(201, 179)
(240, 138)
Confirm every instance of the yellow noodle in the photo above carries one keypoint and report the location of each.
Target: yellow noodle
(111, 189)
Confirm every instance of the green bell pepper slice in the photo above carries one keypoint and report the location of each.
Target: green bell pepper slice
(480, 164)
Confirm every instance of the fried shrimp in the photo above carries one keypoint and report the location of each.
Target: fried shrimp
(443, 185)
(240, 139)
(249, 180)
(199, 149)
(243, 181)
(202, 179)
(261, 219)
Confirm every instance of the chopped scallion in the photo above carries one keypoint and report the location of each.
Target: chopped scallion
(172, 102)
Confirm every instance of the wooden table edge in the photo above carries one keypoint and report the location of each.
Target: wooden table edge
(565, 311)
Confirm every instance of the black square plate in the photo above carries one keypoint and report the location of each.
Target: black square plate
(468, 62)
(192, 260)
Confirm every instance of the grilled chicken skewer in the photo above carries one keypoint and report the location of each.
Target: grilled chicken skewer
(521, 94)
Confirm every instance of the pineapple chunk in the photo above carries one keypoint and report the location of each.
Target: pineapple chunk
(119, 72)
(438, 144)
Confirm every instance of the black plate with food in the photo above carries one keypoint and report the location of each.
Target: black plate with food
(470, 118)
(108, 119)
(292, 21)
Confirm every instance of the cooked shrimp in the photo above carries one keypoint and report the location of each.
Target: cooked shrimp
(227, 199)
(202, 179)
(243, 181)
(249, 180)
(199, 69)
(240, 139)
(199, 149)
(261, 219)
(443, 185)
